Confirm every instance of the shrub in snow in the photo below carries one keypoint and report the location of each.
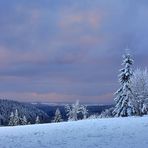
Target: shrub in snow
(125, 102)
(95, 116)
(108, 113)
(139, 83)
(58, 116)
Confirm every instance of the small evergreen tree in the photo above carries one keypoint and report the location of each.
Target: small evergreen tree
(11, 120)
(144, 109)
(69, 114)
(58, 116)
(24, 121)
(37, 121)
(16, 118)
(73, 111)
(125, 104)
(84, 111)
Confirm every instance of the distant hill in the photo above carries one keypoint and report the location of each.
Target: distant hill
(29, 110)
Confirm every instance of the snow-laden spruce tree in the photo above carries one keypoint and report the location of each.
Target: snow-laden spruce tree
(73, 111)
(24, 121)
(37, 121)
(11, 119)
(58, 116)
(84, 111)
(139, 83)
(125, 103)
(16, 118)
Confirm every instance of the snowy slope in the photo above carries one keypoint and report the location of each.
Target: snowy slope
(129, 132)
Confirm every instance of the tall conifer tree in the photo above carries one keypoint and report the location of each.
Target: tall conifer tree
(125, 104)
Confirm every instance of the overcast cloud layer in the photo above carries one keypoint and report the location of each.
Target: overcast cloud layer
(63, 50)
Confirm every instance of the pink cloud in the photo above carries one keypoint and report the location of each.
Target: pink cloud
(72, 20)
(10, 56)
(55, 97)
(35, 16)
(91, 41)
(5, 56)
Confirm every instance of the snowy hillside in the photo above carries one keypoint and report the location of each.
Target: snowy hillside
(129, 132)
(30, 111)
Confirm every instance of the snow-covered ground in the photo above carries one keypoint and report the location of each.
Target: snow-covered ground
(129, 132)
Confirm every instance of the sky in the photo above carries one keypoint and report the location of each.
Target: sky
(64, 50)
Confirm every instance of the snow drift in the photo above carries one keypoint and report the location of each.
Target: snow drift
(130, 132)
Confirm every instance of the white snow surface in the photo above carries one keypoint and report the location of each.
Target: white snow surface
(131, 132)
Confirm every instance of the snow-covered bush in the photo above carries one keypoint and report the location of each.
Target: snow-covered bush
(108, 113)
(94, 116)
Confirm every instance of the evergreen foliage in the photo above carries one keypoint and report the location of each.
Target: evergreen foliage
(37, 121)
(58, 116)
(125, 103)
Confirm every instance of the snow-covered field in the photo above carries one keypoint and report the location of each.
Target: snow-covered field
(129, 132)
